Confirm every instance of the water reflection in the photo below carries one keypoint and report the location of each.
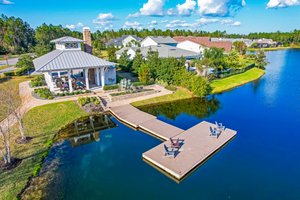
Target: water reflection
(198, 107)
(85, 130)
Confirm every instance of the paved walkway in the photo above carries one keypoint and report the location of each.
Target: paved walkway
(29, 102)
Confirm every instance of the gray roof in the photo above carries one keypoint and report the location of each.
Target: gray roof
(65, 39)
(164, 51)
(68, 59)
(119, 40)
(163, 39)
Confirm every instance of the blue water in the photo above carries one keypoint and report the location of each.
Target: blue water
(262, 162)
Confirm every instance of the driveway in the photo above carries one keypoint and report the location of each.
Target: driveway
(11, 61)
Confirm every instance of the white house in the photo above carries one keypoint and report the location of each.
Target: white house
(191, 46)
(68, 67)
(158, 40)
(164, 51)
(124, 41)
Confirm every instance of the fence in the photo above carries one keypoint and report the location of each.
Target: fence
(225, 74)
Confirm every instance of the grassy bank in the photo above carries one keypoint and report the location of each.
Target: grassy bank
(221, 85)
(4, 67)
(41, 124)
(13, 81)
(269, 49)
(178, 95)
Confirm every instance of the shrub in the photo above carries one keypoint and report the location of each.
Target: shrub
(83, 101)
(22, 71)
(38, 81)
(44, 93)
(110, 87)
(171, 87)
(12, 73)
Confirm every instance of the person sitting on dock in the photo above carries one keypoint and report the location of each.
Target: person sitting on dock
(214, 132)
(170, 151)
(220, 126)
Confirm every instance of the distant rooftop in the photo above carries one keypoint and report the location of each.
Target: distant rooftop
(164, 51)
(65, 39)
(163, 39)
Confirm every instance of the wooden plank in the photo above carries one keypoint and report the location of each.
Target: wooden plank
(160, 129)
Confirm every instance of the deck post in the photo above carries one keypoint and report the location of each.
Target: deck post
(87, 83)
(58, 74)
(97, 76)
(102, 77)
(70, 81)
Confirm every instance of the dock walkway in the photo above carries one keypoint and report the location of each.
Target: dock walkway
(198, 145)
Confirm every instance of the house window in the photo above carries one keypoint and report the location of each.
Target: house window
(71, 45)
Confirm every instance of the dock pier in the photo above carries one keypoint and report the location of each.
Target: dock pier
(198, 145)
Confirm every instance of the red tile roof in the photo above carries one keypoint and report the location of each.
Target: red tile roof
(205, 41)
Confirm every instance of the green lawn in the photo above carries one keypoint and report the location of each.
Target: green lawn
(4, 67)
(221, 85)
(14, 81)
(178, 95)
(41, 123)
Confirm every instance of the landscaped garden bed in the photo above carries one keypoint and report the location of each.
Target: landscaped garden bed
(90, 104)
(130, 94)
(43, 93)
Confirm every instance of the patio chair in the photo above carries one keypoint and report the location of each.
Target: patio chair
(169, 153)
(214, 132)
(220, 126)
(176, 143)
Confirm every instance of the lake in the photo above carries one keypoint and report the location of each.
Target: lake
(262, 162)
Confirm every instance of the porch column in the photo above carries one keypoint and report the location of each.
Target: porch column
(70, 81)
(102, 77)
(58, 74)
(97, 76)
(51, 84)
(87, 82)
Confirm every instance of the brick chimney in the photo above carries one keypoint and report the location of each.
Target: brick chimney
(87, 40)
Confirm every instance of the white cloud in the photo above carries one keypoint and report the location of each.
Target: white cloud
(105, 16)
(201, 22)
(186, 8)
(134, 15)
(220, 7)
(282, 3)
(74, 26)
(6, 2)
(104, 19)
(171, 12)
(153, 8)
(153, 22)
(164, 21)
(135, 25)
(179, 24)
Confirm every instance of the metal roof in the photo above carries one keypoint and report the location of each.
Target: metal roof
(163, 39)
(119, 40)
(68, 59)
(164, 51)
(65, 39)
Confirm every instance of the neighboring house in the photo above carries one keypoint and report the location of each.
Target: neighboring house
(72, 65)
(248, 42)
(265, 43)
(192, 46)
(158, 40)
(124, 41)
(164, 51)
(204, 42)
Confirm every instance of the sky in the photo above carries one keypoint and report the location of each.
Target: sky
(233, 16)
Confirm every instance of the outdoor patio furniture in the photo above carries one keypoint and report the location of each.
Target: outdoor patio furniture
(170, 152)
(176, 143)
(214, 132)
(220, 126)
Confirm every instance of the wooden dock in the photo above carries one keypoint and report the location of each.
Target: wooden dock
(198, 145)
(145, 122)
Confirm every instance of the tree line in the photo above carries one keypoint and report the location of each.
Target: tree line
(17, 36)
